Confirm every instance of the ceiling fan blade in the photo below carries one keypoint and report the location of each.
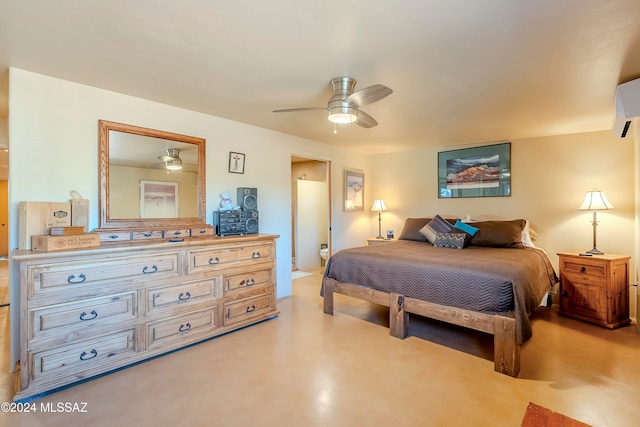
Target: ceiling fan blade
(368, 95)
(158, 166)
(165, 158)
(365, 120)
(289, 110)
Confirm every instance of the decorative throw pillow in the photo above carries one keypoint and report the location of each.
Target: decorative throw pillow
(450, 240)
(435, 226)
(467, 236)
(499, 234)
(469, 229)
(411, 228)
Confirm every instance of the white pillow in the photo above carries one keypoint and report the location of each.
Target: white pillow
(528, 235)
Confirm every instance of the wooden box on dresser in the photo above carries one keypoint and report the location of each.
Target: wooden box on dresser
(595, 288)
(87, 312)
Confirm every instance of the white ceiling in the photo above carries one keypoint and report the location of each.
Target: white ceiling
(461, 70)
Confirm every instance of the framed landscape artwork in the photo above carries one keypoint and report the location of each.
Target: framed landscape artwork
(475, 172)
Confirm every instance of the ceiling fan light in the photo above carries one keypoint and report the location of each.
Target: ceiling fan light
(343, 114)
(174, 165)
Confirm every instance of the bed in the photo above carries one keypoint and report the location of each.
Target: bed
(492, 285)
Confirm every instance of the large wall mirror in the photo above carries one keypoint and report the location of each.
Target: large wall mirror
(150, 178)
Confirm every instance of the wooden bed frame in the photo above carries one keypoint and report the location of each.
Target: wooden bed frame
(506, 353)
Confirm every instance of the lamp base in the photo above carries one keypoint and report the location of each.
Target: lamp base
(380, 236)
(595, 251)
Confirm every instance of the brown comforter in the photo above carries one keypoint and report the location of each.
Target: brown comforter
(509, 282)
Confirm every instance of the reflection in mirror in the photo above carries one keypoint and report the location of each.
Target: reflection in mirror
(150, 178)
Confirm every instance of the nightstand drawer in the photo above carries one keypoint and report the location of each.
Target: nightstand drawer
(590, 271)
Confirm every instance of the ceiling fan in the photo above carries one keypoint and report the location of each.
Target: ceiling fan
(344, 105)
(171, 161)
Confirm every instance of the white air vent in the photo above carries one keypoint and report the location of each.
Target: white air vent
(627, 109)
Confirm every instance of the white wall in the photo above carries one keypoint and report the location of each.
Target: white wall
(53, 139)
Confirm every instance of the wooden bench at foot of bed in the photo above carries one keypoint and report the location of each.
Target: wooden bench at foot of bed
(506, 352)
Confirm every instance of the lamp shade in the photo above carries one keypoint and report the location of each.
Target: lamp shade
(378, 206)
(595, 200)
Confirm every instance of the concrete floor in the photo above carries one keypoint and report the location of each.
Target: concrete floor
(306, 368)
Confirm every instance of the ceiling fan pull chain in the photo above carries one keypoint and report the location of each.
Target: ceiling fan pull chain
(335, 128)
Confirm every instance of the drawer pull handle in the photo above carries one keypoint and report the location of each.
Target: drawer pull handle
(83, 315)
(214, 261)
(251, 282)
(255, 255)
(583, 270)
(184, 328)
(177, 233)
(202, 231)
(183, 296)
(114, 236)
(147, 270)
(93, 353)
(72, 279)
(250, 309)
(147, 234)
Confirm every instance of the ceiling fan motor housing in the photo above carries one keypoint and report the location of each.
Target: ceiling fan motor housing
(338, 110)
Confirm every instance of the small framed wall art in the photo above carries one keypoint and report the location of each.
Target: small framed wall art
(236, 162)
(475, 172)
(353, 191)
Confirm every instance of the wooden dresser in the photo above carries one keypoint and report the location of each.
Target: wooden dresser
(87, 312)
(595, 288)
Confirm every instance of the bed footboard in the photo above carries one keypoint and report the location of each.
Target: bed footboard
(506, 351)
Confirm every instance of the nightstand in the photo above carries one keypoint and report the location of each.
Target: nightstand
(373, 241)
(595, 288)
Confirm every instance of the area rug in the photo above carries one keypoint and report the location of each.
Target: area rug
(298, 274)
(538, 416)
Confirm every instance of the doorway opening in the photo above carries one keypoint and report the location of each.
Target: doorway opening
(310, 213)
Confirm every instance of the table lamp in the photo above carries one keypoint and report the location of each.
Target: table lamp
(378, 206)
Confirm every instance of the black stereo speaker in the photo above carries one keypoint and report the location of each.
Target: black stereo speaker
(252, 224)
(248, 198)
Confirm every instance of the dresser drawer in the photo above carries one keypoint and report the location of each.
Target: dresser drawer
(248, 308)
(188, 327)
(591, 271)
(84, 355)
(247, 280)
(114, 237)
(65, 318)
(147, 235)
(64, 277)
(219, 258)
(183, 294)
(209, 231)
(177, 234)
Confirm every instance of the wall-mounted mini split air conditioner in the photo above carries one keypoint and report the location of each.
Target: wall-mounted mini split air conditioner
(627, 104)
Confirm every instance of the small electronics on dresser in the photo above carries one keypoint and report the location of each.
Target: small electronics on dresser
(245, 220)
(248, 198)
